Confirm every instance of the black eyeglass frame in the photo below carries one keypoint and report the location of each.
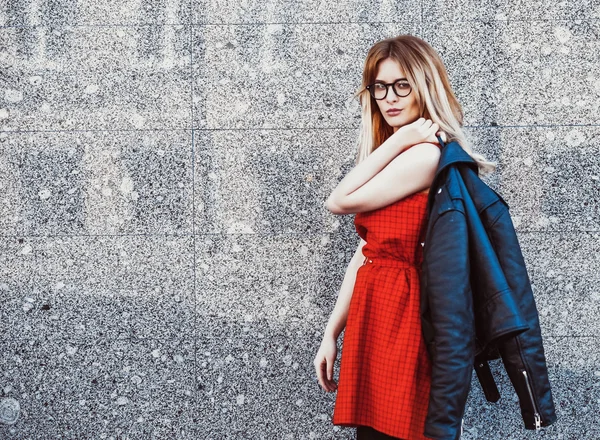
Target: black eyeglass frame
(387, 89)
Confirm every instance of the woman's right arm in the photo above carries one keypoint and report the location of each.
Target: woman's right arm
(337, 320)
(326, 355)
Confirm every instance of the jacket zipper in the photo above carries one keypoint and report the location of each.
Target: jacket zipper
(536, 414)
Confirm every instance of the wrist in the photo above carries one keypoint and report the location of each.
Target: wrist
(330, 334)
(400, 142)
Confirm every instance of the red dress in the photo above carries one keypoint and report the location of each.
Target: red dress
(385, 372)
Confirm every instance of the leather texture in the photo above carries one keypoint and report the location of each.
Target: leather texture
(476, 300)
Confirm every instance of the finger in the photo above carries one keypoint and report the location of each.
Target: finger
(319, 368)
(431, 138)
(433, 129)
(330, 366)
(330, 369)
(332, 384)
(326, 383)
(429, 134)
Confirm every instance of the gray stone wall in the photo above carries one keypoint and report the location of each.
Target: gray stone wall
(167, 266)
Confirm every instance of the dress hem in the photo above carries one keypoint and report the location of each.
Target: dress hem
(355, 424)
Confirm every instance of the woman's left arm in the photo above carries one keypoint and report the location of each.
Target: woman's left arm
(419, 131)
(408, 173)
(366, 170)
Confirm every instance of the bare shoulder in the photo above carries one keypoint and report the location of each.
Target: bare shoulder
(423, 156)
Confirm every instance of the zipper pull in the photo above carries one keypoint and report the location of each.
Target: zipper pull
(538, 421)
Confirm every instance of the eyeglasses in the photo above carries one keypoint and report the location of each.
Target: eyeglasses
(379, 90)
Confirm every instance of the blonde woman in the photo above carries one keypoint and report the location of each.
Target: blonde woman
(385, 372)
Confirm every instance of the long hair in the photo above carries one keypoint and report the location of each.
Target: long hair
(428, 78)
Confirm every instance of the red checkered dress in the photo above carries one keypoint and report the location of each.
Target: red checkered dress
(385, 371)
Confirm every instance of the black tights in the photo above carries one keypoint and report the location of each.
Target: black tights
(368, 433)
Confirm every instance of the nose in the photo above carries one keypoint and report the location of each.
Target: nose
(391, 94)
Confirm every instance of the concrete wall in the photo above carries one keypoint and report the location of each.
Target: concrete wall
(167, 266)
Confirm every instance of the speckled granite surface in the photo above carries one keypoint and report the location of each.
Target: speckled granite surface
(167, 266)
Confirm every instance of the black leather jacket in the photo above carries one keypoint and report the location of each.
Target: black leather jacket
(476, 300)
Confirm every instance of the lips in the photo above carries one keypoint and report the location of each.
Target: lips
(393, 112)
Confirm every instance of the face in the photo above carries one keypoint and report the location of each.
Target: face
(389, 71)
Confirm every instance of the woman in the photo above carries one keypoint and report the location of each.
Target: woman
(384, 380)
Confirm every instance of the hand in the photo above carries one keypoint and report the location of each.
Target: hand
(324, 363)
(421, 130)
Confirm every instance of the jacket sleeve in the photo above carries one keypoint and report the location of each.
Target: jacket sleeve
(446, 269)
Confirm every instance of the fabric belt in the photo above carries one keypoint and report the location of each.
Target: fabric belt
(390, 262)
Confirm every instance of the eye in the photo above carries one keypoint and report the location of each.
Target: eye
(379, 86)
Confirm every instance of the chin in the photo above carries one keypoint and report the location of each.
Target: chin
(397, 124)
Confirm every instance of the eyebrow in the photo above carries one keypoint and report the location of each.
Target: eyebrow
(397, 79)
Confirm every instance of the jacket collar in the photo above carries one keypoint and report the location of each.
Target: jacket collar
(452, 153)
(480, 193)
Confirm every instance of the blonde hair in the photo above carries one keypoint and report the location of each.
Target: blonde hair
(428, 78)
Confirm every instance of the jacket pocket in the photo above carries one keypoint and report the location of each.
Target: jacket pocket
(536, 412)
(492, 213)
